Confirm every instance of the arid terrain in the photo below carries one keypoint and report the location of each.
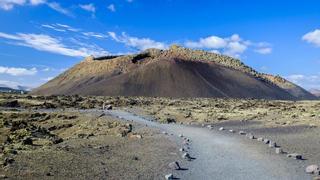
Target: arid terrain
(70, 137)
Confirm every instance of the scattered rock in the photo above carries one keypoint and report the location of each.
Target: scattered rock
(266, 141)
(185, 142)
(242, 133)
(12, 104)
(186, 156)
(260, 139)
(313, 169)
(136, 158)
(107, 107)
(56, 140)
(165, 133)
(170, 120)
(168, 177)
(295, 156)
(174, 165)
(221, 129)
(8, 161)
(101, 115)
(272, 144)
(279, 151)
(27, 141)
(138, 136)
(250, 136)
(49, 174)
(129, 127)
(2, 176)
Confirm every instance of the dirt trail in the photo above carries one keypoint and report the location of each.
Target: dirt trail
(222, 155)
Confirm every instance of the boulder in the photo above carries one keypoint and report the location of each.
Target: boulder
(221, 129)
(180, 135)
(181, 149)
(313, 169)
(295, 156)
(174, 165)
(242, 133)
(232, 131)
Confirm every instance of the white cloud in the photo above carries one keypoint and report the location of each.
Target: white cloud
(235, 48)
(46, 69)
(9, 4)
(37, 2)
(112, 8)
(95, 35)
(211, 42)
(306, 81)
(88, 7)
(65, 28)
(137, 43)
(312, 37)
(61, 27)
(13, 71)
(53, 27)
(10, 84)
(57, 7)
(47, 79)
(266, 50)
(232, 46)
(47, 43)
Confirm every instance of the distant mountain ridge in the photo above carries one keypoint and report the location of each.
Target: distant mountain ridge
(315, 92)
(176, 72)
(4, 89)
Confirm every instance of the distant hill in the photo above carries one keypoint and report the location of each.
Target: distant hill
(316, 92)
(176, 72)
(11, 90)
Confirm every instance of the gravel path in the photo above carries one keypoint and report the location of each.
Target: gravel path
(223, 155)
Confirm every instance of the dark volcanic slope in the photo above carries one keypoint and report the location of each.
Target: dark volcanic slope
(179, 78)
(171, 73)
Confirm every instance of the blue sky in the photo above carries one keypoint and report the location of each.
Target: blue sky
(41, 38)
